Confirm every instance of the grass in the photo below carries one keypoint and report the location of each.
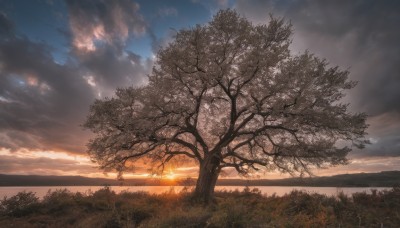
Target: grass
(247, 208)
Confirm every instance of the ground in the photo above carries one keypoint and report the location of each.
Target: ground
(248, 208)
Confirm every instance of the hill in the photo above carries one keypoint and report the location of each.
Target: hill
(382, 179)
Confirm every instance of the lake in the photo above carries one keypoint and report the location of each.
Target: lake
(267, 190)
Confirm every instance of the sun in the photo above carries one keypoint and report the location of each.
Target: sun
(171, 175)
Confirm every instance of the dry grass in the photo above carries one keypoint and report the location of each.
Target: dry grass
(248, 208)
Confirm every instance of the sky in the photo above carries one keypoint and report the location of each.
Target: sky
(57, 57)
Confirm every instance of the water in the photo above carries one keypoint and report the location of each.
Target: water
(267, 190)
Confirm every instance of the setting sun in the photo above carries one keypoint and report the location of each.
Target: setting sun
(171, 175)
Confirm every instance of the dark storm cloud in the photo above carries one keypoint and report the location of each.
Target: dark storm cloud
(39, 98)
(111, 68)
(361, 36)
(6, 26)
(43, 103)
(385, 135)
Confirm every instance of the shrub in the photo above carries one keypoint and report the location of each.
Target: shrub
(104, 199)
(231, 214)
(23, 203)
(194, 217)
(59, 201)
(248, 208)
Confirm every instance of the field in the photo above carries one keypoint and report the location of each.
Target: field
(248, 208)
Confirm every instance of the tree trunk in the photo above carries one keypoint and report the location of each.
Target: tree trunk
(208, 176)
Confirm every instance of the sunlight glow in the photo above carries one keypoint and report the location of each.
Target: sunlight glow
(171, 175)
(24, 153)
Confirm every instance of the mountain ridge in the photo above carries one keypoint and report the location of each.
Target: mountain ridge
(381, 179)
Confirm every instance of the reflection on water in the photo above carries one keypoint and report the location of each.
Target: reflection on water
(268, 190)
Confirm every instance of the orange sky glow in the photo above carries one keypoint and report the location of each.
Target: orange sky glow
(62, 163)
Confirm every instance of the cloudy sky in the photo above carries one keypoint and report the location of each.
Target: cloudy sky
(57, 57)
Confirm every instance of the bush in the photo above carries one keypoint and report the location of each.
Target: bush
(59, 201)
(104, 199)
(231, 213)
(248, 208)
(194, 217)
(22, 204)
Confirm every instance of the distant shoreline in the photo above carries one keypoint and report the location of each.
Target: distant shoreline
(382, 179)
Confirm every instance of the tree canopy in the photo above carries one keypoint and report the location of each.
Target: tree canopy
(230, 94)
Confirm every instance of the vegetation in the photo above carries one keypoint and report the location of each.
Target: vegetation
(229, 95)
(248, 208)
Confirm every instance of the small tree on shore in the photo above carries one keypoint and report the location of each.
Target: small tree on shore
(229, 94)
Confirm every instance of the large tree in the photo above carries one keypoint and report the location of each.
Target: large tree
(229, 94)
